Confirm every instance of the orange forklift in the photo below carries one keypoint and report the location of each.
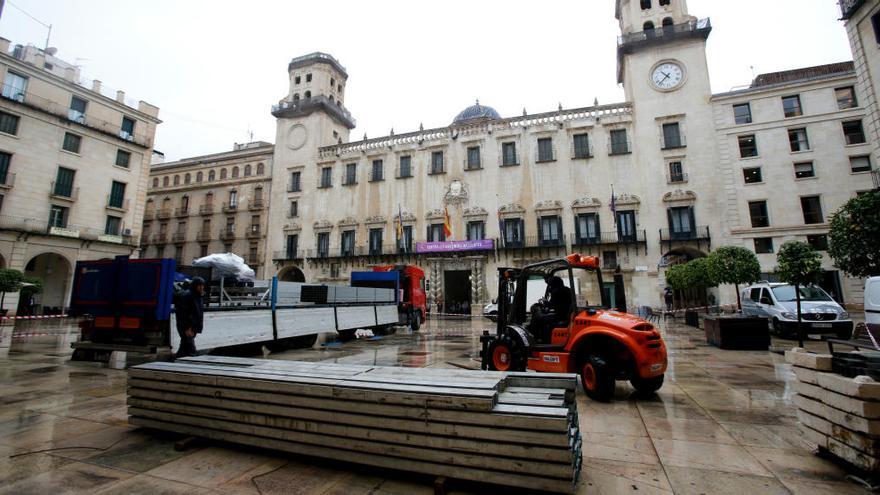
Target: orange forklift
(589, 338)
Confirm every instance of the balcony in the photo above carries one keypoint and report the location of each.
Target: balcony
(163, 213)
(253, 259)
(848, 8)
(287, 255)
(698, 234)
(469, 165)
(582, 152)
(294, 187)
(230, 207)
(160, 238)
(144, 240)
(41, 227)
(183, 211)
(305, 106)
(542, 156)
(610, 238)
(178, 237)
(228, 234)
(206, 209)
(117, 205)
(253, 232)
(619, 147)
(531, 242)
(508, 159)
(204, 236)
(8, 181)
(673, 142)
(696, 29)
(76, 116)
(677, 178)
(63, 193)
(256, 204)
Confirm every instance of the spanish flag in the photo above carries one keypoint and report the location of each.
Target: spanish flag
(447, 224)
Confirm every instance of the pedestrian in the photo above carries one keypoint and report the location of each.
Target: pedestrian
(667, 296)
(188, 311)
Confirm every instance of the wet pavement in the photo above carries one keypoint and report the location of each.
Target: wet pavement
(722, 423)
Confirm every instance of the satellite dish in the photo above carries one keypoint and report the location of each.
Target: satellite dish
(51, 51)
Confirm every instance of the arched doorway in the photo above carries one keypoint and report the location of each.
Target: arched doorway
(54, 270)
(291, 274)
(691, 297)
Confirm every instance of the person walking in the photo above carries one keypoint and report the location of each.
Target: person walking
(188, 310)
(668, 297)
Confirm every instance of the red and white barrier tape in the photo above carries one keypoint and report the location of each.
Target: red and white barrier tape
(39, 317)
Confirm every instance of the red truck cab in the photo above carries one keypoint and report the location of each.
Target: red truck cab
(413, 301)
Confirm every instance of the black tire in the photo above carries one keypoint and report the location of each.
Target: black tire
(415, 321)
(345, 335)
(647, 386)
(504, 354)
(597, 378)
(304, 341)
(493, 316)
(844, 334)
(774, 327)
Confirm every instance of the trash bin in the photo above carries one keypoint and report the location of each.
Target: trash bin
(692, 318)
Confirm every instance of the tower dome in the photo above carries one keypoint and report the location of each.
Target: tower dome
(476, 112)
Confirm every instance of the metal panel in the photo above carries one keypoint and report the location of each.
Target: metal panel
(387, 314)
(294, 322)
(228, 328)
(356, 317)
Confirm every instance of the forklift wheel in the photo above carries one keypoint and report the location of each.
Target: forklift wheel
(647, 386)
(597, 378)
(505, 355)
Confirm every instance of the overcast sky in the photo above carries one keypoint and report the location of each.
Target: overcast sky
(215, 67)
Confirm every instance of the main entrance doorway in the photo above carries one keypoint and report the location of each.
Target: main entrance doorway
(457, 292)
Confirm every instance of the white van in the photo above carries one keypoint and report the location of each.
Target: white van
(872, 303)
(821, 315)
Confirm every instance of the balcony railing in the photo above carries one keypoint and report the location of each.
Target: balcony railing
(230, 207)
(294, 187)
(305, 105)
(508, 160)
(673, 142)
(699, 28)
(582, 152)
(117, 205)
(253, 231)
(849, 7)
(256, 204)
(619, 147)
(183, 211)
(545, 155)
(253, 258)
(468, 165)
(203, 235)
(178, 237)
(160, 238)
(66, 194)
(163, 213)
(45, 104)
(609, 238)
(206, 209)
(41, 227)
(227, 234)
(8, 181)
(695, 234)
(529, 242)
(678, 178)
(287, 255)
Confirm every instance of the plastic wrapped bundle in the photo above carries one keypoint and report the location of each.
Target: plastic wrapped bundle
(226, 265)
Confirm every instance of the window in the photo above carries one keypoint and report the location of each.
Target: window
(545, 150)
(473, 158)
(327, 177)
(667, 21)
(508, 155)
(791, 106)
(294, 209)
(763, 245)
(211, 176)
(222, 173)
(648, 26)
(155, 182)
(853, 132)
(295, 183)
(203, 250)
(187, 178)
(8, 123)
(812, 208)
(752, 175)
(682, 224)
(626, 226)
(758, 214)
(297, 79)
(665, 2)
(5, 159)
(804, 170)
(117, 195)
(234, 172)
(476, 230)
(798, 140)
(405, 166)
(846, 97)
(609, 260)
(14, 86)
(58, 216)
(233, 199)
(875, 23)
(513, 232)
(295, 97)
(176, 180)
(436, 232)
(292, 244)
(582, 146)
(165, 181)
(200, 177)
(405, 243)
(378, 172)
(860, 163)
(676, 173)
(332, 83)
(77, 111)
(308, 95)
(123, 158)
(619, 142)
(586, 226)
(748, 146)
(550, 230)
(247, 170)
(672, 137)
(71, 142)
(742, 113)
(646, 4)
(437, 162)
(350, 174)
(112, 225)
(819, 242)
(127, 129)
(64, 182)
(376, 241)
(308, 78)
(261, 169)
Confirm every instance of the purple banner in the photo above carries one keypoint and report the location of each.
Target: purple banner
(454, 246)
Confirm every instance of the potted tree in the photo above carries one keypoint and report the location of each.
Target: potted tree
(10, 281)
(799, 265)
(734, 265)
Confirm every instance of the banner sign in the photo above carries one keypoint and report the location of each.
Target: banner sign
(454, 246)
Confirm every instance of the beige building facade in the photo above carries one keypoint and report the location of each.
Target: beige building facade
(210, 204)
(74, 164)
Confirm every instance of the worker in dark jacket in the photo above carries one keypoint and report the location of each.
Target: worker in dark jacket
(188, 311)
(555, 311)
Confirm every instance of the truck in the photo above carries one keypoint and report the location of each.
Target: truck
(127, 305)
(408, 284)
(600, 343)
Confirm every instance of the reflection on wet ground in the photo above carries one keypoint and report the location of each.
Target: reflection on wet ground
(722, 423)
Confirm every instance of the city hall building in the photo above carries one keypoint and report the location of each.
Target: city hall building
(658, 179)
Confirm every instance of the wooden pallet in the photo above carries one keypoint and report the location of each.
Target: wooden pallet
(514, 429)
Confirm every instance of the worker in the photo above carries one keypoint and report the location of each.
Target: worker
(188, 311)
(554, 312)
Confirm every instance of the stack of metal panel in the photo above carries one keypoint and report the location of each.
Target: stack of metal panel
(514, 429)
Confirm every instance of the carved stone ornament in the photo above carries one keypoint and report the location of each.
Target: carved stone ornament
(348, 222)
(456, 193)
(475, 211)
(511, 208)
(375, 219)
(323, 225)
(407, 217)
(293, 226)
(627, 199)
(679, 196)
(549, 205)
(435, 214)
(586, 203)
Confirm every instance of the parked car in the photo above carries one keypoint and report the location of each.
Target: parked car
(820, 314)
(491, 310)
(872, 303)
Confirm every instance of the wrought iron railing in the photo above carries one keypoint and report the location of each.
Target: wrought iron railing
(699, 28)
(849, 7)
(609, 238)
(695, 234)
(676, 178)
(39, 226)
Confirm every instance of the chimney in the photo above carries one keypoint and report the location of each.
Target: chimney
(4, 45)
(40, 60)
(120, 96)
(96, 86)
(70, 74)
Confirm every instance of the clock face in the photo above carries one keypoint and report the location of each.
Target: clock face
(667, 75)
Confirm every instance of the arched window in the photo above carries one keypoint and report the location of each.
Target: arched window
(211, 176)
(308, 94)
(261, 169)
(176, 180)
(155, 182)
(184, 202)
(247, 170)
(165, 181)
(222, 173)
(649, 26)
(295, 97)
(646, 4)
(234, 172)
(339, 103)
(199, 177)
(668, 22)
(187, 178)
(331, 99)
(665, 2)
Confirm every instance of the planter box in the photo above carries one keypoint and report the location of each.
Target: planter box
(737, 333)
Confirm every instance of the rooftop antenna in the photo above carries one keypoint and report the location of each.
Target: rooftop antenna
(48, 26)
(752, 68)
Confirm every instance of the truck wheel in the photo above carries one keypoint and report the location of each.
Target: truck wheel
(598, 379)
(415, 321)
(647, 386)
(304, 341)
(346, 335)
(505, 355)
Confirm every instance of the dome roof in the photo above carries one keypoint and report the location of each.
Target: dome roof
(476, 112)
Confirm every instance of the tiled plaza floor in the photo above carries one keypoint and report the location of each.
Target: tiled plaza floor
(722, 423)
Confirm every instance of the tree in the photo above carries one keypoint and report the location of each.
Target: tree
(691, 275)
(799, 265)
(676, 277)
(853, 238)
(734, 265)
(10, 281)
